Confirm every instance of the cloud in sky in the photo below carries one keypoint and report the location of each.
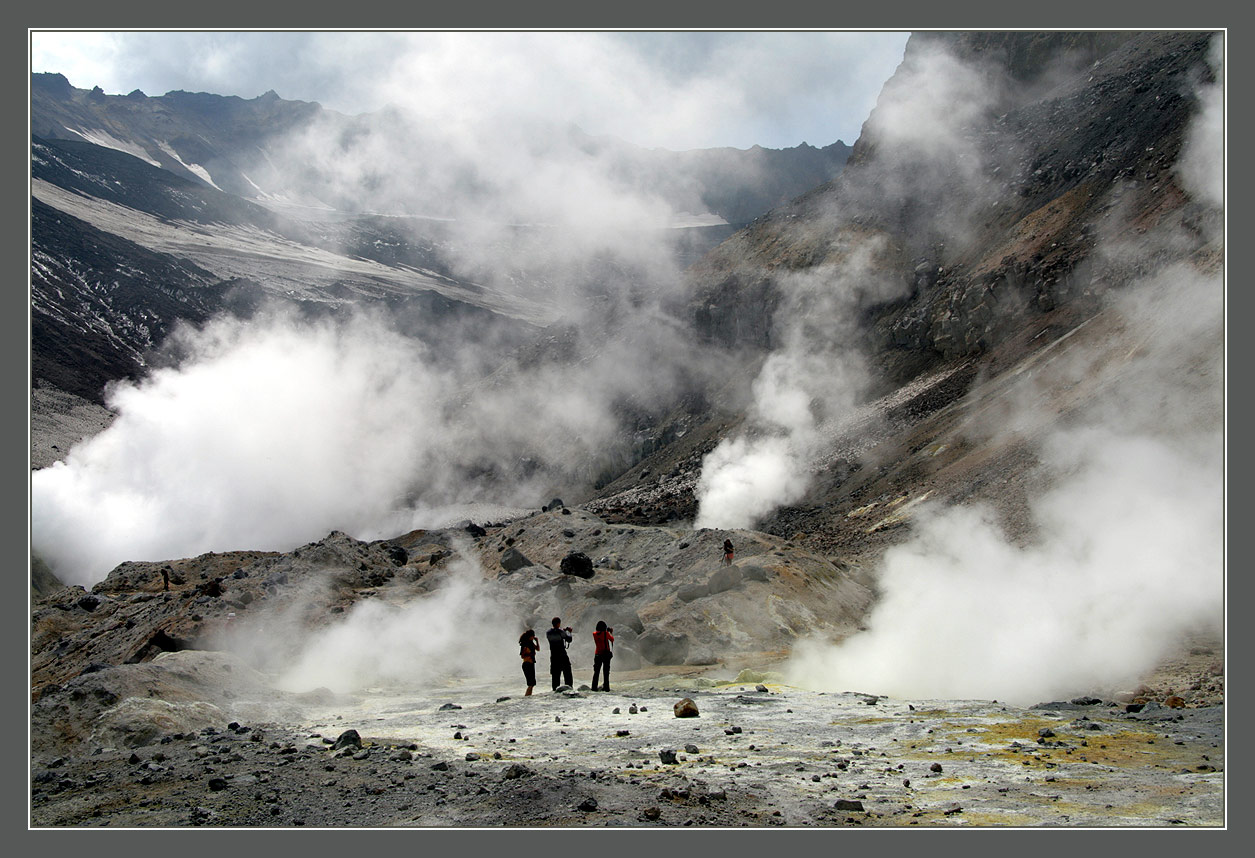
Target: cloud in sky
(670, 90)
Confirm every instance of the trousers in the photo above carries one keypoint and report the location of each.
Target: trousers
(560, 670)
(601, 665)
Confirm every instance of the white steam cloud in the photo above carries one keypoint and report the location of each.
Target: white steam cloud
(269, 434)
(273, 432)
(1128, 552)
(806, 391)
(459, 630)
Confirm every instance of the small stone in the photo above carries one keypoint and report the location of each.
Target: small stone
(217, 784)
(935, 767)
(347, 739)
(651, 813)
(690, 748)
(588, 804)
(760, 687)
(686, 708)
(632, 710)
(471, 756)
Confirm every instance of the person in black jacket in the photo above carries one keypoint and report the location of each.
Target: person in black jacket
(559, 662)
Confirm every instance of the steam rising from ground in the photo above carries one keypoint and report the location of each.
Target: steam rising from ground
(799, 397)
(272, 433)
(459, 630)
(1128, 553)
(1128, 556)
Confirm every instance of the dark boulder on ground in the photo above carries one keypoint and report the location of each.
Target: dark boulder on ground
(577, 563)
(512, 560)
(347, 739)
(686, 708)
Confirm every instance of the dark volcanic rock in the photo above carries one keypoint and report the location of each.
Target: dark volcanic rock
(577, 563)
(347, 739)
(512, 560)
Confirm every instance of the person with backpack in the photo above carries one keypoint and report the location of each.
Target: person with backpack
(727, 552)
(528, 647)
(603, 638)
(559, 662)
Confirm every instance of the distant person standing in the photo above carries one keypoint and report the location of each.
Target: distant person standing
(727, 552)
(602, 640)
(559, 662)
(528, 647)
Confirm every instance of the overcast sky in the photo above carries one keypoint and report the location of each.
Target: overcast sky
(672, 90)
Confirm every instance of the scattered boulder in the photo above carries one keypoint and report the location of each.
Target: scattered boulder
(725, 579)
(577, 563)
(588, 804)
(516, 770)
(754, 573)
(512, 560)
(686, 708)
(659, 647)
(692, 592)
(1175, 702)
(474, 529)
(625, 658)
(397, 555)
(347, 739)
(848, 804)
(701, 656)
(667, 756)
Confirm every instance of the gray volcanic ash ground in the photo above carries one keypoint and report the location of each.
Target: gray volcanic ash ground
(467, 754)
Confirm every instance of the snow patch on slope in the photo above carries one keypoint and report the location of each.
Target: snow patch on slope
(195, 169)
(107, 140)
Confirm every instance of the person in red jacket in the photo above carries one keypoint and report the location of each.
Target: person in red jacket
(603, 637)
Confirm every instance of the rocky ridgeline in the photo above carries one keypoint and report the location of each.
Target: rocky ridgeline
(663, 590)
